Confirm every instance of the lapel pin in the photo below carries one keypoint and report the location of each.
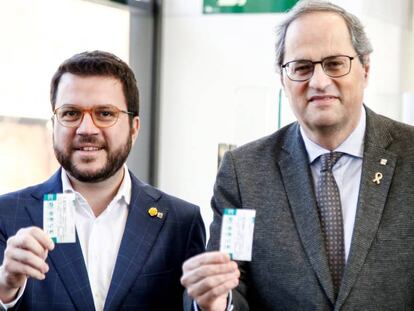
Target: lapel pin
(160, 215)
(378, 177)
(383, 161)
(153, 211)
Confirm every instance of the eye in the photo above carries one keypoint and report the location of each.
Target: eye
(105, 113)
(334, 64)
(69, 113)
(302, 68)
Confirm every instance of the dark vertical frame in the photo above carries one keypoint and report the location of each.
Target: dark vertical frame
(145, 41)
(156, 85)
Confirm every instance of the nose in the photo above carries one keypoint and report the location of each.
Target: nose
(319, 80)
(87, 126)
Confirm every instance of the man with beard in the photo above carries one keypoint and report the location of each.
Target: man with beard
(131, 239)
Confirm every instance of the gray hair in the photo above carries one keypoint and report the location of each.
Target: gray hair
(359, 39)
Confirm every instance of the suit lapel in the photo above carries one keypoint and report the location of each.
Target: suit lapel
(140, 234)
(294, 165)
(67, 258)
(371, 201)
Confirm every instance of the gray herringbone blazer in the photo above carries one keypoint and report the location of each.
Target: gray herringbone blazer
(289, 270)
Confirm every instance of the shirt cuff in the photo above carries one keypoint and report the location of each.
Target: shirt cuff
(5, 306)
(229, 303)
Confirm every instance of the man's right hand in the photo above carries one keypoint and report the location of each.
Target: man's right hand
(209, 277)
(25, 256)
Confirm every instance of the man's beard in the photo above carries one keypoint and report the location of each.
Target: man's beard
(115, 160)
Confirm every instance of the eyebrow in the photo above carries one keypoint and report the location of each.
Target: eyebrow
(308, 59)
(88, 107)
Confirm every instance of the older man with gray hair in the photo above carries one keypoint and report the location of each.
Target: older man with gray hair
(333, 192)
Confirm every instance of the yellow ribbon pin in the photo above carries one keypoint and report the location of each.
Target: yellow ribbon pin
(378, 177)
(153, 211)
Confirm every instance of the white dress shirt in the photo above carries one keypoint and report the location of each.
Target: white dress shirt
(100, 237)
(347, 173)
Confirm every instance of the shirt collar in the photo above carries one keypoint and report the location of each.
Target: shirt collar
(124, 191)
(353, 145)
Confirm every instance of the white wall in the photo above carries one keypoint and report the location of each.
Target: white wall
(388, 24)
(408, 73)
(36, 36)
(219, 84)
(409, 51)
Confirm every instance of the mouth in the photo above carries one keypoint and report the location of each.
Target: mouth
(322, 98)
(88, 148)
(323, 101)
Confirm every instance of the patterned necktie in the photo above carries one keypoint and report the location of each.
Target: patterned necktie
(330, 213)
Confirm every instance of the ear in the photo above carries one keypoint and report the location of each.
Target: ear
(136, 124)
(281, 77)
(366, 66)
(50, 125)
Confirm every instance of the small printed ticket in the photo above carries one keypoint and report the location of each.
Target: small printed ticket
(59, 217)
(237, 233)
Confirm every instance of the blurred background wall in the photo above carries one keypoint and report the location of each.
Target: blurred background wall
(205, 78)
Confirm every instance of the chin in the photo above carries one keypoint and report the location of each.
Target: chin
(93, 176)
(323, 123)
(325, 118)
(89, 165)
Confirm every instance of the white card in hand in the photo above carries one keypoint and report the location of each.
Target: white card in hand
(59, 217)
(237, 233)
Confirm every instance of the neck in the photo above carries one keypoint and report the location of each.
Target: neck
(331, 137)
(100, 194)
(328, 140)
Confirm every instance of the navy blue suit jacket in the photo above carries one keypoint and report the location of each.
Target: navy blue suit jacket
(148, 267)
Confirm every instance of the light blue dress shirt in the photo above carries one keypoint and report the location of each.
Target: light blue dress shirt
(347, 173)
